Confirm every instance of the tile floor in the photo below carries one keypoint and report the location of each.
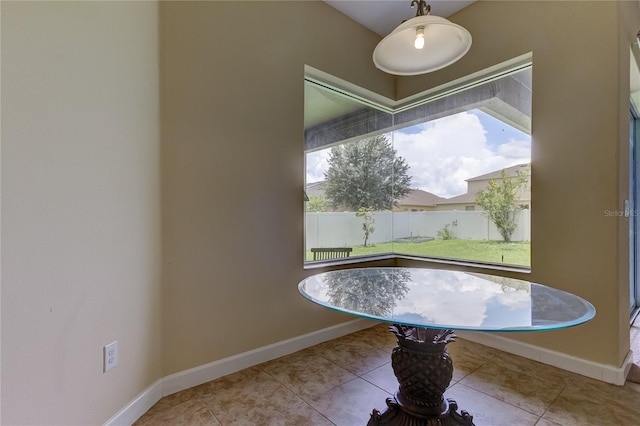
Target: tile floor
(339, 383)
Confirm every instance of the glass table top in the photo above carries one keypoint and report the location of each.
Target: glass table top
(444, 299)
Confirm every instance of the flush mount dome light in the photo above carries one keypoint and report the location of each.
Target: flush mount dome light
(422, 44)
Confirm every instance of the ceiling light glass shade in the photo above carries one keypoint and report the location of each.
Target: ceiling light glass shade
(444, 43)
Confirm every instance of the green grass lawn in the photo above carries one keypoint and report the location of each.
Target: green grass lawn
(476, 250)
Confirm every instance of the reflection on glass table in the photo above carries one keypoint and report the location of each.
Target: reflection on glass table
(424, 306)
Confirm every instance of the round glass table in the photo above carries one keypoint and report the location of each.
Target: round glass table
(424, 306)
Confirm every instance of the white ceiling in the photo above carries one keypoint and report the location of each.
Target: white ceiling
(382, 16)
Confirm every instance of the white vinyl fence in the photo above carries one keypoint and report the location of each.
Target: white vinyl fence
(344, 229)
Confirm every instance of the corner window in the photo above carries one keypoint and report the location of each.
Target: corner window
(447, 177)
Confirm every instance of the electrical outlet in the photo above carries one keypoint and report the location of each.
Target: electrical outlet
(110, 356)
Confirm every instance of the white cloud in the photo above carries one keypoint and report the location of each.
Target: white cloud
(464, 300)
(317, 164)
(443, 153)
(452, 149)
(518, 150)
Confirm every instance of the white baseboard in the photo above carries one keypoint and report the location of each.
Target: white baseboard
(603, 372)
(136, 408)
(205, 373)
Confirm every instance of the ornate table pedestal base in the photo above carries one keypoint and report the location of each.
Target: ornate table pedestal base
(424, 369)
(398, 414)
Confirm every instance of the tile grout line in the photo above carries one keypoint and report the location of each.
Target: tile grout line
(507, 402)
(302, 398)
(546, 410)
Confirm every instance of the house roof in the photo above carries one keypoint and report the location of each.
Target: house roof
(418, 197)
(317, 186)
(470, 197)
(497, 174)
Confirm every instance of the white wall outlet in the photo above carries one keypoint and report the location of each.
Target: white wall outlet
(110, 356)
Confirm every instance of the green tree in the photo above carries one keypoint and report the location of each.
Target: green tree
(500, 202)
(361, 291)
(316, 204)
(367, 222)
(366, 174)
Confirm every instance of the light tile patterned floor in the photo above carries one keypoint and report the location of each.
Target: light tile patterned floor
(340, 382)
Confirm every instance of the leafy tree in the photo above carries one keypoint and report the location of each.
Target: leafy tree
(366, 173)
(367, 222)
(362, 291)
(500, 202)
(316, 204)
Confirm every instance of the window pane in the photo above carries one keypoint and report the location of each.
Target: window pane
(349, 177)
(447, 178)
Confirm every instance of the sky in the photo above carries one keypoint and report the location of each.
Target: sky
(442, 153)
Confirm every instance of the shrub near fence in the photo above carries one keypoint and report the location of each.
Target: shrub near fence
(344, 229)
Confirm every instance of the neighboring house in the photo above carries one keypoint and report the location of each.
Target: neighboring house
(418, 201)
(475, 184)
(315, 189)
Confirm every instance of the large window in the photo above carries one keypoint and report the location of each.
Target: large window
(447, 177)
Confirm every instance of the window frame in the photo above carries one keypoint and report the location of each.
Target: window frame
(405, 106)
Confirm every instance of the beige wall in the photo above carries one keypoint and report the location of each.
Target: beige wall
(232, 116)
(579, 150)
(80, 208)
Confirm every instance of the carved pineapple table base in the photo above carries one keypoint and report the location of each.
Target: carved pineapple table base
(424, 369)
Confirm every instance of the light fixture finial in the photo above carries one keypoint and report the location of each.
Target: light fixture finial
(423, 7)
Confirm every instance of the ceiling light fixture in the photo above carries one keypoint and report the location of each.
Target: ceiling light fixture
(421, 44)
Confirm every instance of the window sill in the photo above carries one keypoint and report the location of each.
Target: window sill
(398, 258)
(349, 261)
